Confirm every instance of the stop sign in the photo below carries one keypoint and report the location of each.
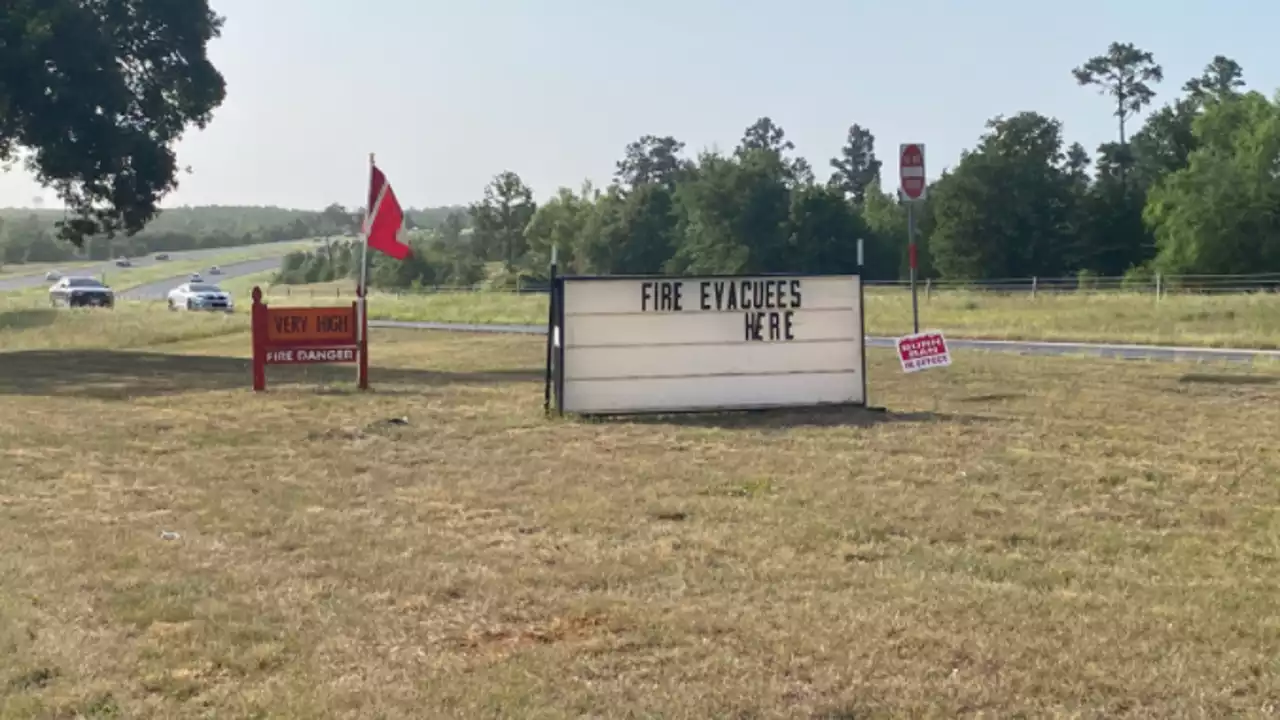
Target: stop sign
(911, 170)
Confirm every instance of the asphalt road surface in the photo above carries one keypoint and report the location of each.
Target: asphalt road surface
(159, 290)
(117, 275)
(1022, 347)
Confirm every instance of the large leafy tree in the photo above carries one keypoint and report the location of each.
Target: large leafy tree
(1218, 214)
(1166, 140)
(824, 230)
(558, 223)
(499, 220)
(1007, 208)
(93, 96)
(1114, 238)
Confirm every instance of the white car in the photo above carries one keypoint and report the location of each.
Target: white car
(215, 270)
(53, 275)
(200, 296)
(195, 278)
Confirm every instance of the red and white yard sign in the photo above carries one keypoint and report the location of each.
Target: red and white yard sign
(923, 351)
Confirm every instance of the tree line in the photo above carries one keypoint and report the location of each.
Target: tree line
(1194, 189)
(33, 235)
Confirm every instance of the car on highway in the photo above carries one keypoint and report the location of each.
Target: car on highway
(53, 275)
(162, 256)
(195, 277)
(124, 262)
(215, 270)
(81, 292)
(200, 296)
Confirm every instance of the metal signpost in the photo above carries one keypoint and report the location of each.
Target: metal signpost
(912, 189)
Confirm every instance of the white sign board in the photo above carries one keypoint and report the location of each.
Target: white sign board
(646, 344)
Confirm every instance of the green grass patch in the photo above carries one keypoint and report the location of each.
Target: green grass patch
(1238, 320)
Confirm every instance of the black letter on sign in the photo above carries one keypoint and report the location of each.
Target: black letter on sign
(645, 288)
(755, 325)
(702, 291)
(787, 326)
(795, 293)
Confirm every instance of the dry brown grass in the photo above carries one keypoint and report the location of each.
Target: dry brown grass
(1018, 536)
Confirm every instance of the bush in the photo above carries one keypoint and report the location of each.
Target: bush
(1139, 278)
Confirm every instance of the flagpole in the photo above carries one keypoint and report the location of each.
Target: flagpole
(362, 290)
(364, 255)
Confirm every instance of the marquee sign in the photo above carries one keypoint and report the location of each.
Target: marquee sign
(305, 335)
(647, 344)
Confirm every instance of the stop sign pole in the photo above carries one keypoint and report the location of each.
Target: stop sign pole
(912, 190)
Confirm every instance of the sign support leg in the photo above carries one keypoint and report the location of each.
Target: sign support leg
(911, 250)
(257, 326)
(551, 332)
(362, 313)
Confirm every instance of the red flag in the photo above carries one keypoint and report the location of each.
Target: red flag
(386, 219)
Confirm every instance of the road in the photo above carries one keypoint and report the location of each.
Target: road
(23, 282)
(159, 290)
(1022, 347)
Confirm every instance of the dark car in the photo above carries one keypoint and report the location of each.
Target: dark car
(81, 292)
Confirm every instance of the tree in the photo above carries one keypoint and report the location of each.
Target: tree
(1007, 208)
(651, 159)
(857, 165)
(1165, 142)
(765, 136)
(559, 224)
(735, 212)
(823, 232)
(885, 249)
(644, 232)
(1166, 139)
(1221, 80)
(450, 232)
(710, 208)
(1125, 73)
(95, 94)
(501, 217)
(1218, 214)
(337, 219)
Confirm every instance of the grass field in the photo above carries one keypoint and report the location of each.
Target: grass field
(1242, 320)
(1016, 537)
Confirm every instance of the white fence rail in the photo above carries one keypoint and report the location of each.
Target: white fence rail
(1156, 285)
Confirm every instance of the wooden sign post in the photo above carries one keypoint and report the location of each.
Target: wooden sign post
(305, 335)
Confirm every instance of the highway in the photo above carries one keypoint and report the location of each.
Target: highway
(23, 282)
(159, 290)
(1022, 347)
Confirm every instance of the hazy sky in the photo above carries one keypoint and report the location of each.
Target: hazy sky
(450, 93)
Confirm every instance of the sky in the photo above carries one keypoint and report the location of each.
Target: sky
(449, 93)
